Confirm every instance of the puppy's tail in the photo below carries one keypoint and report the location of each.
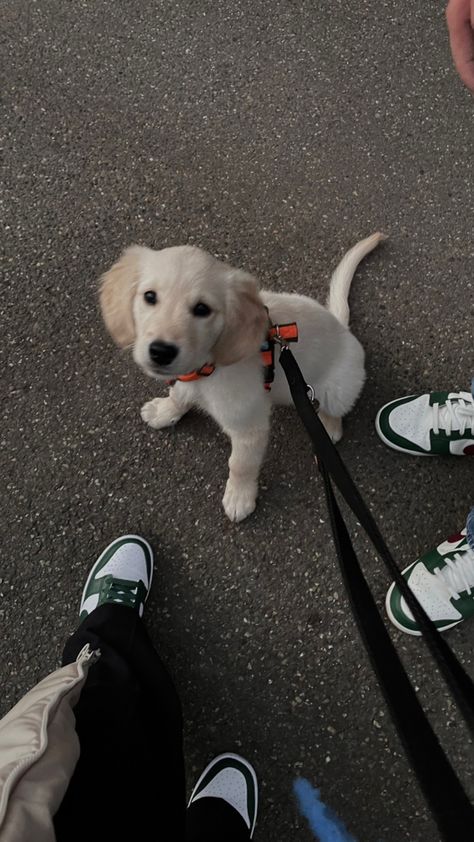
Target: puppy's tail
(341, 280)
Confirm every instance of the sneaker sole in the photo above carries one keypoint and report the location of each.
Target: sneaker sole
(391, 444)
(245, 763)
(404, 629)
(120, 538)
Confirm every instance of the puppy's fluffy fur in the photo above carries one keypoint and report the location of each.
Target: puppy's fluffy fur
(230, 336)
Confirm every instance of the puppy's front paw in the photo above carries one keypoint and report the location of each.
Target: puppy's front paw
(160, 413)
(239, 501)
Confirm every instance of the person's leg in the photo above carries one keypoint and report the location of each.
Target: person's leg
(129, 779)
(224, 802)
(436, 423)
(470, 529)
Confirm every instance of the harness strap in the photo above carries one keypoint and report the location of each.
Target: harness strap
(276, 333)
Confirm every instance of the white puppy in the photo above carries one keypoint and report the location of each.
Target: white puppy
(181, 309)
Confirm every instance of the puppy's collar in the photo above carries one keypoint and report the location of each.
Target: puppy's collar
(205, 371)
(280, 334)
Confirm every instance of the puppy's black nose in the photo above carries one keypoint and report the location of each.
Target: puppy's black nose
(162, 353)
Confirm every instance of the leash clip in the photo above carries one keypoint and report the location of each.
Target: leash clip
(277, 337)
(283, 334)
(312, 396)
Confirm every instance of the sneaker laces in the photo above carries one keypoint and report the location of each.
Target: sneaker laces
(456, 414)
(458, 575)
(124, 591)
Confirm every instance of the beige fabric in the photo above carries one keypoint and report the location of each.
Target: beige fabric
(39, 750)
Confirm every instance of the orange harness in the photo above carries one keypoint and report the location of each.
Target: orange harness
(276, 333)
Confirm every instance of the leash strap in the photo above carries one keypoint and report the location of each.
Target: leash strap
(443, 791)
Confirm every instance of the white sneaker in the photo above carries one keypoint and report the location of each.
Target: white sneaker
(437, 423)
(122, 575)
(443, 582)
(233, 779)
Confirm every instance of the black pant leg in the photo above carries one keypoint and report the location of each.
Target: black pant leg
(129, 780)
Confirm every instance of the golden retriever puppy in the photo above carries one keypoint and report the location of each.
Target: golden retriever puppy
(186, 314)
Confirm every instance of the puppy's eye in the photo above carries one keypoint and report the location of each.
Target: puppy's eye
(201, 309)
(150, 296)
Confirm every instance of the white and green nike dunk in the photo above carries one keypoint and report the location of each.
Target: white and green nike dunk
(122, 575)
(442, 581)
(437, 423)
(233, 779)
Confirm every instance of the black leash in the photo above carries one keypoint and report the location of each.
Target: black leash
(443, 791)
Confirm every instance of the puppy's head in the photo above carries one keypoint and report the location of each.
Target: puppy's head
(181, 308)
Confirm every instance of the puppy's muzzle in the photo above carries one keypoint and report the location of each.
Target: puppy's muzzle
(162, 353)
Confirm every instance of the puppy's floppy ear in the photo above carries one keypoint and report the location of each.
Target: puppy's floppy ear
(117, 289)
(245, 320)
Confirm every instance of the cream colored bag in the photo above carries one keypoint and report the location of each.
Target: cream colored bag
(39, 750)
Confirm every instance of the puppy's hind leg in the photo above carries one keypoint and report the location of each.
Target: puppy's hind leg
(166, 412)
(339, 392)
(332, 425)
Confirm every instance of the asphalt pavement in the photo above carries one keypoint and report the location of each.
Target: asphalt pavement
(275, 135)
